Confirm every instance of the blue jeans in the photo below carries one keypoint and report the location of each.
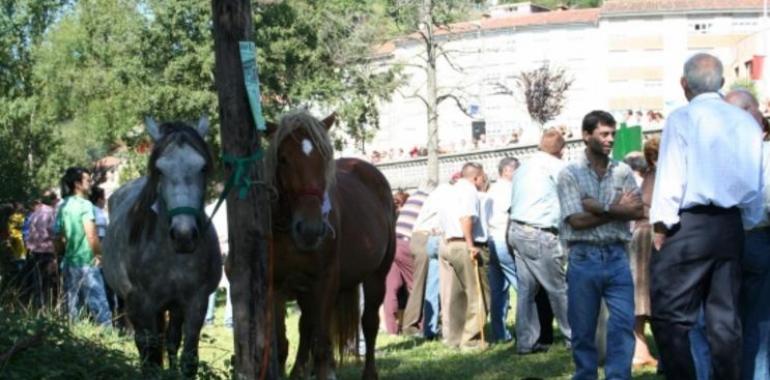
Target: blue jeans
(431, 305)
(502, 275)
(85, 285)
(597, 272)
(699, 347)
(754, 308)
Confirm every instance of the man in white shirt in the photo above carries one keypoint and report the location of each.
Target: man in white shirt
(422, 308)
(755, 265)
(533, 232)
(465, 241)
(708, 188)
(502, 269)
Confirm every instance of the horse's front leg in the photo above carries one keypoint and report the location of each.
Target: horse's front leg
(325, 299)
(148, 332)
(309, 309)
(174, 335)
(195, 312)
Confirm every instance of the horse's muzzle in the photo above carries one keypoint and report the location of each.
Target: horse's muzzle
(184, 240)
(308, 235)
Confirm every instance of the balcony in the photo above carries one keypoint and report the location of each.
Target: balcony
(411, 173)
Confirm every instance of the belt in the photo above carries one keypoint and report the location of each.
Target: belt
(550, 230)
(461, 240)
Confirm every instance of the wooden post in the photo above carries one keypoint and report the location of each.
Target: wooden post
(248, 219)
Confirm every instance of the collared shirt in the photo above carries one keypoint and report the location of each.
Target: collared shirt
(409, 212)
(498, 201)
(41, 236)
(577, 181)
(429, 218)
(535, 199)
(710, 153)
(462, 202)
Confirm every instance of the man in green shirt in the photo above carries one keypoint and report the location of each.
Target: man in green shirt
(83, 282)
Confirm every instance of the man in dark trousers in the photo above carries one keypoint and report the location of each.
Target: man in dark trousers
(708, 187)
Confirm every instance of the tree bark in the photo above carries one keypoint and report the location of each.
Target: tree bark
(426, 24)
(248, 219)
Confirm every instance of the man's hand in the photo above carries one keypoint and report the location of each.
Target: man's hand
(659, 237)
(630, 200)
(593, 206)
(658, 240)
(474, 252)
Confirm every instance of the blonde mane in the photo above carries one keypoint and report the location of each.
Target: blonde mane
(291, 122)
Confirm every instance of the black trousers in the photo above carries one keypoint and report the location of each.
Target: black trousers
(699, 264)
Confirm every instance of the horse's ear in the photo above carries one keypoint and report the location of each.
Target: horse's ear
(203, 126)
(329, 121)
(152, 128)
(270, 128)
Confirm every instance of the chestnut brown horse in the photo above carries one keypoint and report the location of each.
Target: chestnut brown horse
(333, 230)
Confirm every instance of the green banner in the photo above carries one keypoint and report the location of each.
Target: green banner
(627, 140)
(251, 79)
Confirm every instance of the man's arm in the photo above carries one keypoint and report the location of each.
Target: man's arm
(585, 220)
(92, 237)
(466, 224)
(573, 209)
(628, 207)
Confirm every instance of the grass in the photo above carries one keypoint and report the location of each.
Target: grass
(82, 351)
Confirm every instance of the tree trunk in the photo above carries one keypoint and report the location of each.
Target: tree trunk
(248, 219)
(431, 97)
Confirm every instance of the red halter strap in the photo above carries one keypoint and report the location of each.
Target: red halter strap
(311, 192)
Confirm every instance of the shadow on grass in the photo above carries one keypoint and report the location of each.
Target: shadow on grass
(67, 351)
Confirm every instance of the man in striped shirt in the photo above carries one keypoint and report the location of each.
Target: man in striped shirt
(402, 270)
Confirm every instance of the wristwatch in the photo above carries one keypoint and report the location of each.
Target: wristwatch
(606, 209)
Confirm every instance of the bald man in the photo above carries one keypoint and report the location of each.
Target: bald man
(755, 265)
(708, 188)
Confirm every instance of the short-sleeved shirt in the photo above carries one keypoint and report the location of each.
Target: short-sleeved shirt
(463, 202)
(73, 212)
(577, 181)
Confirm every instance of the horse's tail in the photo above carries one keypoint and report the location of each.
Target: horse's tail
(345, 321)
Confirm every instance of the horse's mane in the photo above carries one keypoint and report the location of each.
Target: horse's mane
(141, 215)
(291, 122)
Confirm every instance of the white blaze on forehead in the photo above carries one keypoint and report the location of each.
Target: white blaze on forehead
(307, 147)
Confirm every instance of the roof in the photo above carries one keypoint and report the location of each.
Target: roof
(577, 16)
(613, 7)
(610, 8)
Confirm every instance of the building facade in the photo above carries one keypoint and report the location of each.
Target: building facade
(627, 54)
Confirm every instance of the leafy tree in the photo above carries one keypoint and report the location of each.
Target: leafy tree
(544, 91)
(25, 134)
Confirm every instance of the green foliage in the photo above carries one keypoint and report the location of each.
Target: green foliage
(79, 76)
(25, 133)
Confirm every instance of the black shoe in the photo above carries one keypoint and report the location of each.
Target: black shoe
(534, 350)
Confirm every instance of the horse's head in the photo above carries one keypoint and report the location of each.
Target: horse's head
(176, 186)
(300, 164)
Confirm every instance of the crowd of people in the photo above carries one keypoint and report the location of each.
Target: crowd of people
(676, 235)
(651, 120)
(53, 252)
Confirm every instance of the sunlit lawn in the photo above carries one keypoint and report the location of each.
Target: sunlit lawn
(90, 354)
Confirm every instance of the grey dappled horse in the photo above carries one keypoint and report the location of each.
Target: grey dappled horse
(156, 255)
